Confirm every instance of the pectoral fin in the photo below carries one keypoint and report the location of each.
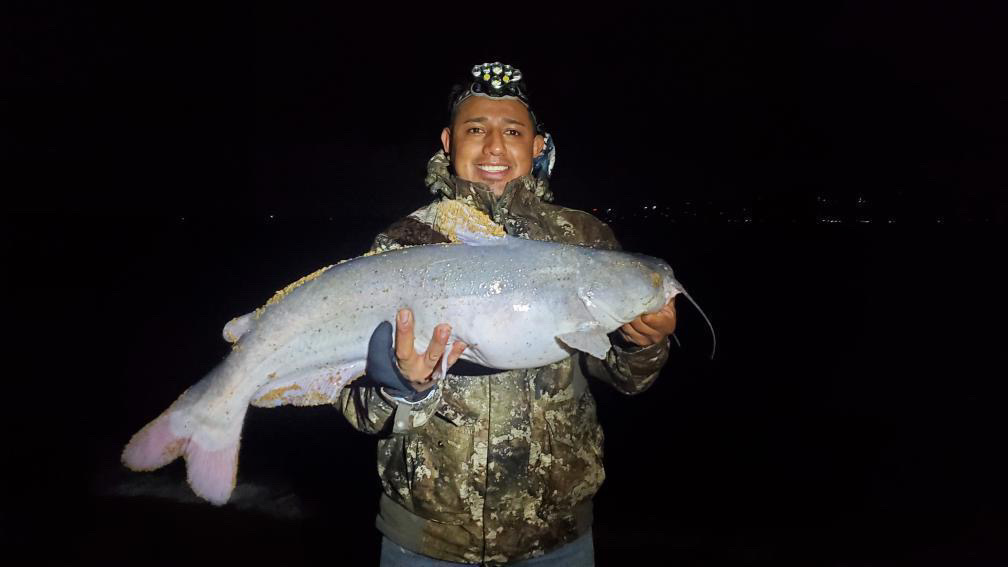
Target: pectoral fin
(590, 339)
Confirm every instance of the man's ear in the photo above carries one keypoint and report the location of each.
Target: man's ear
(538, 145)
(446, 140)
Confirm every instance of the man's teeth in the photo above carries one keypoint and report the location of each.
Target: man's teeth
(492, 168)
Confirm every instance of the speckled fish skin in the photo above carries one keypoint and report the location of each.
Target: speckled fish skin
(517, 303)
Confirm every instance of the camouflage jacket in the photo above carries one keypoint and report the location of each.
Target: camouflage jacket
(501, 467)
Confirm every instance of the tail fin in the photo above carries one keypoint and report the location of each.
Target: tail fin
(211, 456)
(154, 446)
(212, 474)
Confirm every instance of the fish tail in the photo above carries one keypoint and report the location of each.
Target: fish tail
(154, 446)
(212, 473)
(189, 429)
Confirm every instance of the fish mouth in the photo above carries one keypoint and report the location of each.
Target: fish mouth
(671, 288)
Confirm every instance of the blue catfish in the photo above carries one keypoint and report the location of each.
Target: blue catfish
(517, 304)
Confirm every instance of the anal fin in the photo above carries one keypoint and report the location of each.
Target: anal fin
(309, 387)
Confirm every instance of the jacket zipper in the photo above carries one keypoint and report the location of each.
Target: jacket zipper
(486, 473)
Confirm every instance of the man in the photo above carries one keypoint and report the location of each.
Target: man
(485, 466)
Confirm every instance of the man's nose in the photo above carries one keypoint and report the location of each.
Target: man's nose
(494, 143)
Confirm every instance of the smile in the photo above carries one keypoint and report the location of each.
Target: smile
(493, 168)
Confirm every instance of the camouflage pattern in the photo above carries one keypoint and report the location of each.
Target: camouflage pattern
(499, 468)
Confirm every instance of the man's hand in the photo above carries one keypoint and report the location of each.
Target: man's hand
(651, 328)
(418, 367)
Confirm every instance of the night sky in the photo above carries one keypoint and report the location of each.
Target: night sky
(828, 180)
(165, 110)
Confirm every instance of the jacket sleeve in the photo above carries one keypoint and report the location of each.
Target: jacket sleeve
(366, 406)
(371, 409)
(629, 369)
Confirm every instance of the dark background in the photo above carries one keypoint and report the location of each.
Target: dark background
(828, 182)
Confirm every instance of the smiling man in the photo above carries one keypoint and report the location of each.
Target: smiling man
(485, 466)
(492, 141)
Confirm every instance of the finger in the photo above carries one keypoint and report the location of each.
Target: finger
(654, 332)
(458, 347)
(667, 312)
(663, 321)
(643, 328)
(658, 324)
(404, 336)
(633, 336)
(437, 345)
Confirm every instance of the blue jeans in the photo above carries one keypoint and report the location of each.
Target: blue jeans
(578, 553)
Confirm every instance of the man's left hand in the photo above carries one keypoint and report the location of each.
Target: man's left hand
(651, 328)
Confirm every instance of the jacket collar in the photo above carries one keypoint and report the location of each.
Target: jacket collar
(520, 190)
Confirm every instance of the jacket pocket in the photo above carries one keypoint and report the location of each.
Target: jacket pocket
(574, 445)
(438, 457)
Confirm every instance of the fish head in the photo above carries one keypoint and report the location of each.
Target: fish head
(629, 286)
(669, 284)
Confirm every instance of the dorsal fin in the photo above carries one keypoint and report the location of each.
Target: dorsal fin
(237, 327)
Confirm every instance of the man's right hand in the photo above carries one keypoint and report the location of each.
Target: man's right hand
(418, 367)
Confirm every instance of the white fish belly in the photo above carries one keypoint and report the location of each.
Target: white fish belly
(512, 330)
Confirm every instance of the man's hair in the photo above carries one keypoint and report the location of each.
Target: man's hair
(454, 102)
(456, 91)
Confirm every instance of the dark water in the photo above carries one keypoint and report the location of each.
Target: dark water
(853, 415)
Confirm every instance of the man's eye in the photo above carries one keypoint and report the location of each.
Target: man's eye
(474, 130)
(513, 132)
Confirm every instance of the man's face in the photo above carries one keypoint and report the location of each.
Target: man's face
(492, 141)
